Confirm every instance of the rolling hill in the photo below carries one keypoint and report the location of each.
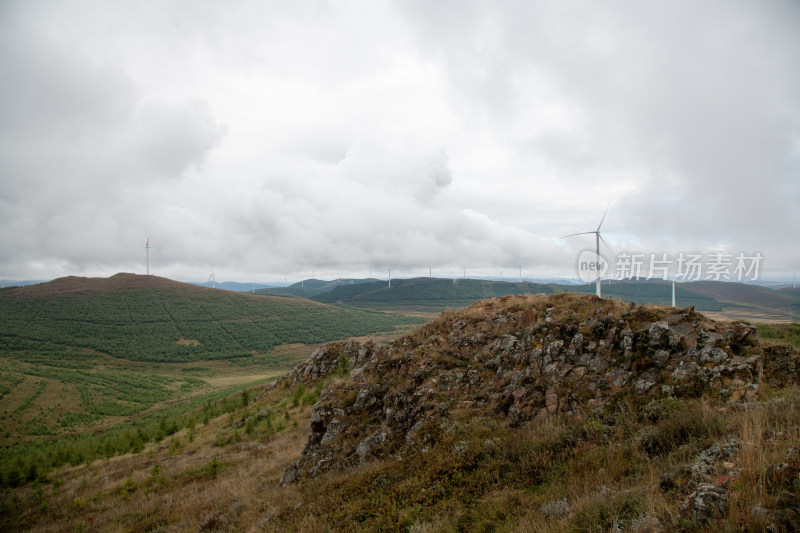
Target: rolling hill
(94, 367)
(313, 287)
(726, 300)
(425, 293)
(232, 285)
(146, 318)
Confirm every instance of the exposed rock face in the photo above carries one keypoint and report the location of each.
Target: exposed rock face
(519, 358)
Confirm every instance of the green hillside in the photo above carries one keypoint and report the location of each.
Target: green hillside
(736, 300)
(426, 293)
(144, 318)
(97, 367)
(441, 293)
(312, 287)
(654, 293)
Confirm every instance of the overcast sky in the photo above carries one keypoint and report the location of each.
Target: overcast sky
(273, 139)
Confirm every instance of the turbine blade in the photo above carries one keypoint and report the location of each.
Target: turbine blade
(607, 246)
(582, 233)
(604, 216)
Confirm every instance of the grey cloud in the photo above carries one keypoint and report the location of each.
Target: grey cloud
(171, 137)
(397, 165)
(77, 137)
(698, 101)
(378, 208)
(49, 91)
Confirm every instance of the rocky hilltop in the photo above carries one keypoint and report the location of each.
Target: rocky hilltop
(519, 359)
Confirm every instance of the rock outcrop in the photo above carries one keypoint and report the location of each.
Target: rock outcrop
(520, 359)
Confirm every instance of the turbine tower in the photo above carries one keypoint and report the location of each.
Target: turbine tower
(671, 279)
(212, 279)
(597, 239)
(147, 255)
(673, 293)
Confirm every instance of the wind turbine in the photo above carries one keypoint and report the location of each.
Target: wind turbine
(390, 277)
(212, 279)
(597, 239)
(147, 255)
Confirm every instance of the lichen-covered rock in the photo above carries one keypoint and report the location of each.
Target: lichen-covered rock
(709, 459)
(706, 502)
(555, 508)
(519, 358)
(781, 365)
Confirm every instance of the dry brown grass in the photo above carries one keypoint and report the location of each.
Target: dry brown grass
(123, 494)
(767, 432)
(605, 482)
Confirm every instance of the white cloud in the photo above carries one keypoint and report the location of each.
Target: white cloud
(268, 138)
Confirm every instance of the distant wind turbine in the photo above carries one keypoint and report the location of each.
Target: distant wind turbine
(212, 279)
(390, 277)
(597, 239)
(672, 282)
(147, 255)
